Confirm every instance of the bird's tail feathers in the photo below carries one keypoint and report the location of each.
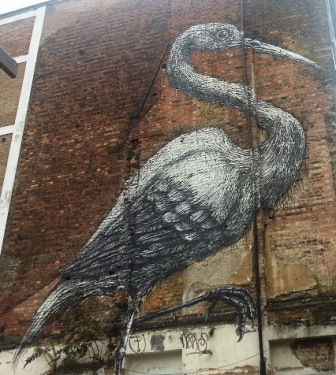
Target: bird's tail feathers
(63, 295)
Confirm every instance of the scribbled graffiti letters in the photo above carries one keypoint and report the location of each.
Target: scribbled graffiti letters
(195, 341)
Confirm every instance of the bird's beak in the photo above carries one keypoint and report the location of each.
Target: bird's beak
(269, 49)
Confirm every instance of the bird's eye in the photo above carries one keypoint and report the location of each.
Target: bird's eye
(222, 34)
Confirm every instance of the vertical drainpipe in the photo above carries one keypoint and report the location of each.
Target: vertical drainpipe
(262, 363)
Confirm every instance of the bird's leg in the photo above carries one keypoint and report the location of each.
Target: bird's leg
(239, 298)
(121, 349)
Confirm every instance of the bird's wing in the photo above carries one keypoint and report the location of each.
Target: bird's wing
(166, 217)
(202, 202)
(169, 216)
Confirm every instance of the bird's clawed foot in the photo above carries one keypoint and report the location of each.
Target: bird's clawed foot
(239, 298)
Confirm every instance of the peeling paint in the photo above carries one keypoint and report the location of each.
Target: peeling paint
(284, 279)
(317, 353)
(243, 274)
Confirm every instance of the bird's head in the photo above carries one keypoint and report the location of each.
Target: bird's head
(212, 37)
(222, 37)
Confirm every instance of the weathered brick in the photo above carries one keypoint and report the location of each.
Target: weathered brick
(101, 106)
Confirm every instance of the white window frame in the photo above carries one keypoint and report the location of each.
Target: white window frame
(17, 129)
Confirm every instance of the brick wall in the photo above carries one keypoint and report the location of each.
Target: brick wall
(10, 96)
(15, 38)
(101, 106)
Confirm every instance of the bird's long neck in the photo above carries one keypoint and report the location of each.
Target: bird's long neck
(279, 159)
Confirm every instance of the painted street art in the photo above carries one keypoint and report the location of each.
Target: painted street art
(197, 195)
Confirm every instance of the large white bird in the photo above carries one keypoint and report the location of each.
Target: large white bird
(195, 196)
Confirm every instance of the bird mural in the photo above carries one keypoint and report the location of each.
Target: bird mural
(195, 196)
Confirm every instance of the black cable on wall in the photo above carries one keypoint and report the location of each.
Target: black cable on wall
(262, 364)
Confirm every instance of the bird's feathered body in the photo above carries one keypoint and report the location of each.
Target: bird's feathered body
(194, 197)
(175, 209)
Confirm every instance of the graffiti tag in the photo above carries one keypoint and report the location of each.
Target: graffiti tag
(137, 343)
(195, 341)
